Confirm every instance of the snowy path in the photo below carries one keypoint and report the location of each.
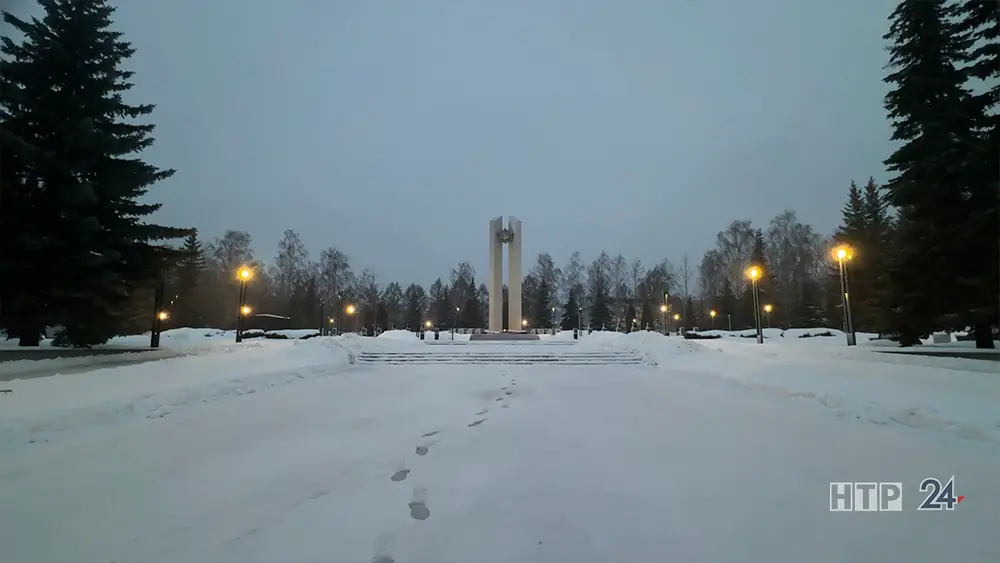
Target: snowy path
(570, 464)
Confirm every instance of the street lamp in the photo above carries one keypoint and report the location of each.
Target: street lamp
(843, 254)
(243, 274)
(340, 312)
(767, 309)
(427, 324)
(350, 310)
(245, 311)
(163, 316)
(663, 311)
(712, 314)
(454, 327)
(754, 273)
(677, 321)
(553, 320)
(524, 323)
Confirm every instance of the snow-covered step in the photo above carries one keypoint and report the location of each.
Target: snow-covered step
(524, 357)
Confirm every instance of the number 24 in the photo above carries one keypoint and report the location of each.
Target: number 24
(940, 497)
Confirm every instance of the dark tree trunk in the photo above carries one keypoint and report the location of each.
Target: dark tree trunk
(984, 335)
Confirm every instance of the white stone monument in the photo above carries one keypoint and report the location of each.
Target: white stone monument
(499, 236)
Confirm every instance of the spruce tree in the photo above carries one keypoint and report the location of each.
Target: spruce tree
(934, 119)
(600, 309)
(67, 80)
(382, 316)
(414, 308)
(571, 312)
(980, 25)
(188, 309)
(543, 303)
(648, 316)
(630, 316)
(471, 315)
(764, 284)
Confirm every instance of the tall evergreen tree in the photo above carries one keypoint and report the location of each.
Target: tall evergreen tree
(934, 118)
(188, 309)
(543, 302)
(630, 317)
(415, 302)
(728, 314)
(648, 317)
(601, 316)
(382, 316)
(471, 314)
(90, 186)
(981, 276)
(764, 284)
(571, 311)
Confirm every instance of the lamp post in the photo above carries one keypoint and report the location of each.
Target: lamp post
(340, 313)
(767, 309)
(754, 273)
(677, 322)
(157, 328)
(579, 319)
(454, 327)
(712, 314)
(322, 325)
(243, 274)
(663, 310)
(843, 254)
(350, 310)
(553, 320)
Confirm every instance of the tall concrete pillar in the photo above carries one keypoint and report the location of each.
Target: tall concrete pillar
(514, 276)
(495, 281)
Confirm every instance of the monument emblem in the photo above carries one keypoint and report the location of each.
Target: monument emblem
(500, 236)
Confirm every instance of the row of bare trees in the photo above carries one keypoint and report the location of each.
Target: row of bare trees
(610, 291)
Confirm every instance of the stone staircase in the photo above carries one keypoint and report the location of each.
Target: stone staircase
(520, 354)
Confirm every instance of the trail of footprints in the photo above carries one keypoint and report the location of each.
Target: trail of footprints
(418, 504)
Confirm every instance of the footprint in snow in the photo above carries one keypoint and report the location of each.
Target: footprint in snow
(429, 434)
(482, 412)
(499, 399)
(477, 423)
(422, 450)
(418, 506)
(399, 475)
(506, 406)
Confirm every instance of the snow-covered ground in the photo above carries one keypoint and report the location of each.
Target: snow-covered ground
(714, 450)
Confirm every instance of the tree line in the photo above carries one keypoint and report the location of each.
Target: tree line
(77, 250)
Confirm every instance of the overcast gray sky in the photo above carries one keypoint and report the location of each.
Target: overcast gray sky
(396, 129)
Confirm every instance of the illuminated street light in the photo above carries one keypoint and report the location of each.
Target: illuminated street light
(754, 273)
(245, 311)
(351, 309)
(712, 314)
(767, 309)
(427, 324)
(244, 273)
(524, 322)
(843, 254)
(163, 315)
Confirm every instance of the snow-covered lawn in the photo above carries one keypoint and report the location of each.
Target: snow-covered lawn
(285, 451)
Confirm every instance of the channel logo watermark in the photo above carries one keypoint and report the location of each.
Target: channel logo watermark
(888, 497)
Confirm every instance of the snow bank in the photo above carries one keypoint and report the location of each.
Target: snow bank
(42, 408)
(292, 333)
(399, 335)
(653, 347)
(952, 395)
